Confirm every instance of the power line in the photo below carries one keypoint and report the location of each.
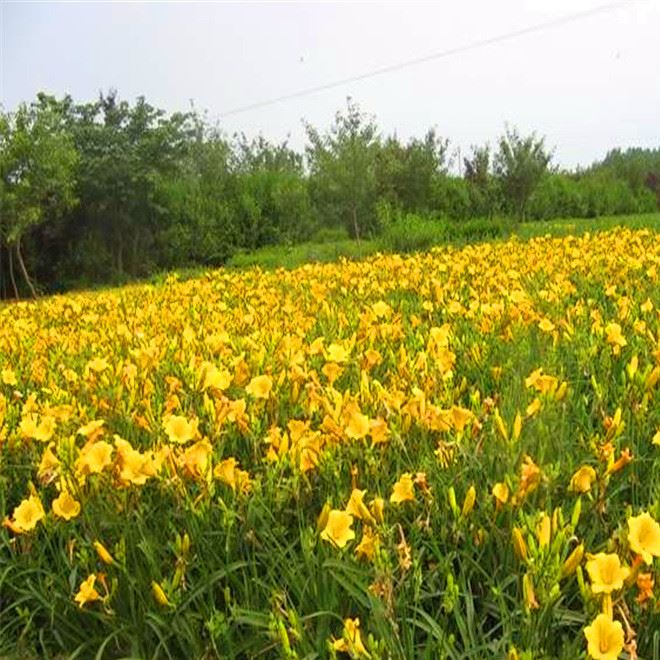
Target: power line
(570, 18)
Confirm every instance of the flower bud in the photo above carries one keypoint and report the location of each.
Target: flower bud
(103, 554)
(468, 502)
(573, 561)
(519, 545)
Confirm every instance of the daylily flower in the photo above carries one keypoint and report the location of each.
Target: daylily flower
(604, 638)
(644, 536)
(338, 528)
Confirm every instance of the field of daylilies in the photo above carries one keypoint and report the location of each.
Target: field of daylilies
(446, 455)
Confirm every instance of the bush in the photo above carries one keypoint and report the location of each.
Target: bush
(414, 233)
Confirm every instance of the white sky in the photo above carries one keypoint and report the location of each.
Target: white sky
(587, 86)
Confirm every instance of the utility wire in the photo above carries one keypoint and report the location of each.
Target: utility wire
(507, 36)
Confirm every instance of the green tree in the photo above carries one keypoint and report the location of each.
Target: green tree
(478, 172)
(520, 164)
(406, 172)
(125, 151)
(37, 177)
(342, 164)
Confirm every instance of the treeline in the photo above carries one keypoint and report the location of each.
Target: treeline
(108, 190)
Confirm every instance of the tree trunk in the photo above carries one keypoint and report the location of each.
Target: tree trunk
(21, 263)
(134, 256)
(356, 228)
(120, 255)
(11, 272)
(3, 288)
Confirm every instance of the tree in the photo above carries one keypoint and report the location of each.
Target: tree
(342, 165)
(37, 176)
(479, 175)
(125, 150)
(520, 164)
(406, 173)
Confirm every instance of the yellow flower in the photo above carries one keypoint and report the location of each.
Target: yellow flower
(159, 595)
(546, 325)
(65, 506)
(403, 489)
(530, 478)
(357, 508)
(351, 641)
(133, 466)
(332, 371)
(468, 502)
(260, 387)
(646, 306)
(519, 545)
(337, 353)
(377, 507)
(381, 309)
(460, 417)
(94, 457)
(179, 429)
(213, 378)
(98, 365)
(49, 465)
(604, 638)
(656, 438)
(644, 536)
(27, 514)
(338, 528)
(533, 407)
(614, 337)
(572, 561)
(228, 472)
(368, 545)
(9, 377)
(92, 429)
(358, 426)
(500, 492)
(380, 431)
(582, 479)
(197, 458)
(42, 431)
(103, 553)
(606, 573)
(87, 593)
(544, 530)
(529, 595)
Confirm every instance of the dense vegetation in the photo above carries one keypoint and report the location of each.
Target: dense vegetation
(108, 190)
(453, 454)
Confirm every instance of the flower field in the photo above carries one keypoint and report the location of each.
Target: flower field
(453, 454)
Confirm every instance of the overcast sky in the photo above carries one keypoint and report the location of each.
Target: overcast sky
(587, 86)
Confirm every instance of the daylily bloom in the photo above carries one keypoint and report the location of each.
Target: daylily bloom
(260, 387)
(338, 528)
(606, 573)
(604, 638)
(26, 515)
(87, 593)
(644, 536)
(179, 429)
(66, 506)
(403, 490)
(582, 479)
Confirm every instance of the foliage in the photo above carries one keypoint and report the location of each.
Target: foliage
(124, 190)
(406, 173)
(342, 164)
(520, 164)
(37, 164)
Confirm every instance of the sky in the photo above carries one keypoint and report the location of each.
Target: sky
(586, 86)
